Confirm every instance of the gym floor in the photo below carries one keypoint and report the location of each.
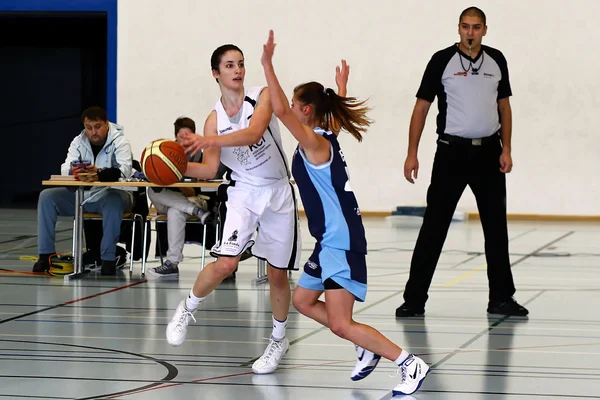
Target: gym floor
(104, 337)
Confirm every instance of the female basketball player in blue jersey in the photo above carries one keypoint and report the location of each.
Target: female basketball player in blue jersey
(337, 265)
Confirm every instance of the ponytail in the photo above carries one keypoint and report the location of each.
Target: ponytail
(334, 112)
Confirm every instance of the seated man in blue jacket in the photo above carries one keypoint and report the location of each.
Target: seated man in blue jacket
(101, 147)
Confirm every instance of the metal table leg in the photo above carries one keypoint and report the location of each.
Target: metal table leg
(77, 237)
(78, 270)
(203, 247)
(261, 272)
(147, 226)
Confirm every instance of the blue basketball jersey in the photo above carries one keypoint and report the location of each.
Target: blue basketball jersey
(331, 208)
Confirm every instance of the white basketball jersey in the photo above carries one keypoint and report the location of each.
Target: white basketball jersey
(259, 164)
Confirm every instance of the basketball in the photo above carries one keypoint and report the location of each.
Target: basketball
(164, 162)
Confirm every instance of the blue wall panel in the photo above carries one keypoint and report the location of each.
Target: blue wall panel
(108, 6)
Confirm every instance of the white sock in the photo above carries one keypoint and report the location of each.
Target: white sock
(192, 302)
(278, 329)
(402, 357)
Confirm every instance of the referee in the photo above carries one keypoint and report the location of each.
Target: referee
(474, 126)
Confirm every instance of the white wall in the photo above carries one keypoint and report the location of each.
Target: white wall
(164, 49)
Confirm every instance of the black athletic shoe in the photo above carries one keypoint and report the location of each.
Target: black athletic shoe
(42, 264)
(510, 307)
(108, 268)
(405, 311)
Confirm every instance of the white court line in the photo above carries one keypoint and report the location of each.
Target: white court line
(429, 350)
(309, 323)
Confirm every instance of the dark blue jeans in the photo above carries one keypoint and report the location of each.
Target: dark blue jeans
(56, 202)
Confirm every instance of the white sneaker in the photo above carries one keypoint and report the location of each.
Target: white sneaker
(367, 361)
(177, 328)
(270, 359)
(413, 371)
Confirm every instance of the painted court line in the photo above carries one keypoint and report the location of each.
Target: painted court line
(71, 302)
(484, 266)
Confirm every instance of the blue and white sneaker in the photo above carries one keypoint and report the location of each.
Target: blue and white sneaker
(413, 371)
(367, 361)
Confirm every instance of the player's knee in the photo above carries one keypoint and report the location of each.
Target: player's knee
(340, 327)
(278, 278)
(301, 303)
(226, 266)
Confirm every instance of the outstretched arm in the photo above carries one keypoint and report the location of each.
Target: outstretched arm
(315, 147)
(244, 137)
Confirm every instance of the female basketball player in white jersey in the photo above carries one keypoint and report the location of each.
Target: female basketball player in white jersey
(242, 133)
(337, 265)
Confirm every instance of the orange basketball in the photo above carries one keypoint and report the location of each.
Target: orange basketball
(164, 162)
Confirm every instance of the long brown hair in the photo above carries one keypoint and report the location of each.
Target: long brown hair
(333, 112)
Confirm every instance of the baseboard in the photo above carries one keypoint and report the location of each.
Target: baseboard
(378, 214)
(510, 217)
(546, 217)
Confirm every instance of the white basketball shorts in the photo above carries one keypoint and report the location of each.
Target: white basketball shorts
(270, 213)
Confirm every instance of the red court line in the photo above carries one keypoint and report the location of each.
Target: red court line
(106, 292)
(220, 377)
(10, 271)
(341, 362)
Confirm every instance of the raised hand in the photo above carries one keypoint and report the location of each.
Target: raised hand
(268, 49)
(341, 75)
